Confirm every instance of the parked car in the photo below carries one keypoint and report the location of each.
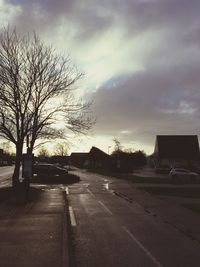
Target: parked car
(48, 169)
(196, 169)
(183, 174)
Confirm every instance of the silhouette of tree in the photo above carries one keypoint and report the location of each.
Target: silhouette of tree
(61, 149)
(43, 154)
(125, 160)
(139, 158)
(5, 145)
(36, 90)
(118, 146)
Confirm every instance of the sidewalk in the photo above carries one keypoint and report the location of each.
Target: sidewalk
(34, 234)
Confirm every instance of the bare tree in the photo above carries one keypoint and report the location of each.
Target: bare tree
(61, 149)
(118, 146)
(43, 153)
(36, 90)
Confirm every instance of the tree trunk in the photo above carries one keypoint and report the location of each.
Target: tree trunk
(15, 177)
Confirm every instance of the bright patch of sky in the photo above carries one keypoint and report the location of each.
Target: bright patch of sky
(8, 12)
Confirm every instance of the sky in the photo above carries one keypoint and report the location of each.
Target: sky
(140, 59)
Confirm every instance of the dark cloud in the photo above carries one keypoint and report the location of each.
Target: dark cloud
(48, 6)
(41, 16)
(151, 102)
(92, 17)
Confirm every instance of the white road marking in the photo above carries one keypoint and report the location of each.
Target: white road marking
(67, 191)
(148, 253)
(90, 192)
(65, 256)
(105, 208)
(72, 216)
(106, 186)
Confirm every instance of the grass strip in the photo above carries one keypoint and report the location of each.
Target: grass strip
(190, 192)
(192, 206)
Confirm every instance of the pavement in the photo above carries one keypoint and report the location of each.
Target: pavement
(35, 233)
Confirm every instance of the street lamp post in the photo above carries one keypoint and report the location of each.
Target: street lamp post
(27, 169)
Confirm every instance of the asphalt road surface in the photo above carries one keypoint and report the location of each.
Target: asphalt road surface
(110, 230)
(5, 175)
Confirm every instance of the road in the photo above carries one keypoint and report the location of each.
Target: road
(5, 175)
(109, 228)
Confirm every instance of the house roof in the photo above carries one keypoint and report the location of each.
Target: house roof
(97, 153)
(79, 155)
(177, 146)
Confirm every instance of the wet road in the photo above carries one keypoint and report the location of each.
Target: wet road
(5, 175)
(110, 228)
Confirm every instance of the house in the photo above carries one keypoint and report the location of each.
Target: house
(176, 150)
(79, 159)
(62, 160)
(98, 159)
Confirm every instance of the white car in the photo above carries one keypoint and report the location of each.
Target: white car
(181, 173)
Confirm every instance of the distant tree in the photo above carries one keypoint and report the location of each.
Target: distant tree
(118, 146)
(5, 145)
(61, 149)
(7, 155)
(36, 90)
(139, 158)
(125, 160)
(129, 150)
(43, 154)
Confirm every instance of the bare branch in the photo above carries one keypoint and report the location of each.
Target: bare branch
(37, 91)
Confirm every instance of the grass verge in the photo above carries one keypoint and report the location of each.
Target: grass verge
(131, 177)
(192, 206)
(190, 192)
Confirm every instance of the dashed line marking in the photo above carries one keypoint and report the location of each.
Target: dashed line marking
(67, 191)
(90, 192)
(147, 252)
(105, 208)
(72, 216)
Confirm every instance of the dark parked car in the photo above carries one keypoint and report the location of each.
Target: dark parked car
(183, 174)
(48, 169)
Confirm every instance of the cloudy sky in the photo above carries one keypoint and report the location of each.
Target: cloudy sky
(141, 60)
